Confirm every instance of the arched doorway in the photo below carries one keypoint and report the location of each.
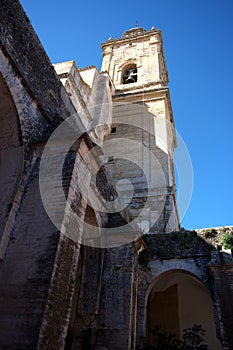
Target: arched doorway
(178, 300)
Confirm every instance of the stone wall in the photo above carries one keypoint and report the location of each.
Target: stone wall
(38, 263)
(111, 325)
(139, 166)
(91, 94)
(223, 287)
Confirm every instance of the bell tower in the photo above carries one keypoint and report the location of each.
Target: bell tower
(136, 58)
(136, 65)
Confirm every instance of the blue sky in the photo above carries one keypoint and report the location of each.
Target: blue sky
(198, 44)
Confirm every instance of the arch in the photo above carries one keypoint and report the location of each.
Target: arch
(168, 271)
(176, 300)
(22, 125)
(11, 152)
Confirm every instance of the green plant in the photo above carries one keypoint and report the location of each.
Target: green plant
(193, 233)
(161, 340)
(192, 339)
(186, 241)
(210, 233)
(227, 240)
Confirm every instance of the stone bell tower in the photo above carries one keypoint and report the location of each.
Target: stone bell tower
(140, 51)
(136, 65)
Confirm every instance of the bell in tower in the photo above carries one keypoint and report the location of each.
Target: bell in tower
(130, 76)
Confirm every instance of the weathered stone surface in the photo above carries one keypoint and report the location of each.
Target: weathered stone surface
(34, 102)
(111, 325)
(145, 49)
(223, 288)
(54, 292)
(25, 272)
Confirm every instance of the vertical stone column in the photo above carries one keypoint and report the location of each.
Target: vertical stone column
(223, 288)
(59, 304)
(91, 283)
(116, 321)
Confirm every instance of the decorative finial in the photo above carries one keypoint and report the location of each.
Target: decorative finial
(136, 24)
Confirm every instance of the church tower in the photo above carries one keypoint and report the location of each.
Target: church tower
(142, 114)
(137, 59)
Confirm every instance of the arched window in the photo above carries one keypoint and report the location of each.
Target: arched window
(130, 74)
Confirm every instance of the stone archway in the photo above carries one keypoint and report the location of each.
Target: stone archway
(177, 300)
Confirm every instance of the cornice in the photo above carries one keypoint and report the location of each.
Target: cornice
(140, 37)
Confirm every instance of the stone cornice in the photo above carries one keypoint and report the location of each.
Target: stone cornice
(144, 94)
(140, 37)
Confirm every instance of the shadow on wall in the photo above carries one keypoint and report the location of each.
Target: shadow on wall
(11, 152)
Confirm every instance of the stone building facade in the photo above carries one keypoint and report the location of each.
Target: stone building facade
(91, 256)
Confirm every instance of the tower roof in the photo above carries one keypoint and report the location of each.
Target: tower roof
(133, 33)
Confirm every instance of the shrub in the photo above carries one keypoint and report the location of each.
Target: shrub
(210, 233)
(192, 339)
(186, 241)
(193, 233)
(227, 240)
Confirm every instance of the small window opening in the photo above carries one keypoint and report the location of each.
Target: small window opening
(130, 75)
(113, 130)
